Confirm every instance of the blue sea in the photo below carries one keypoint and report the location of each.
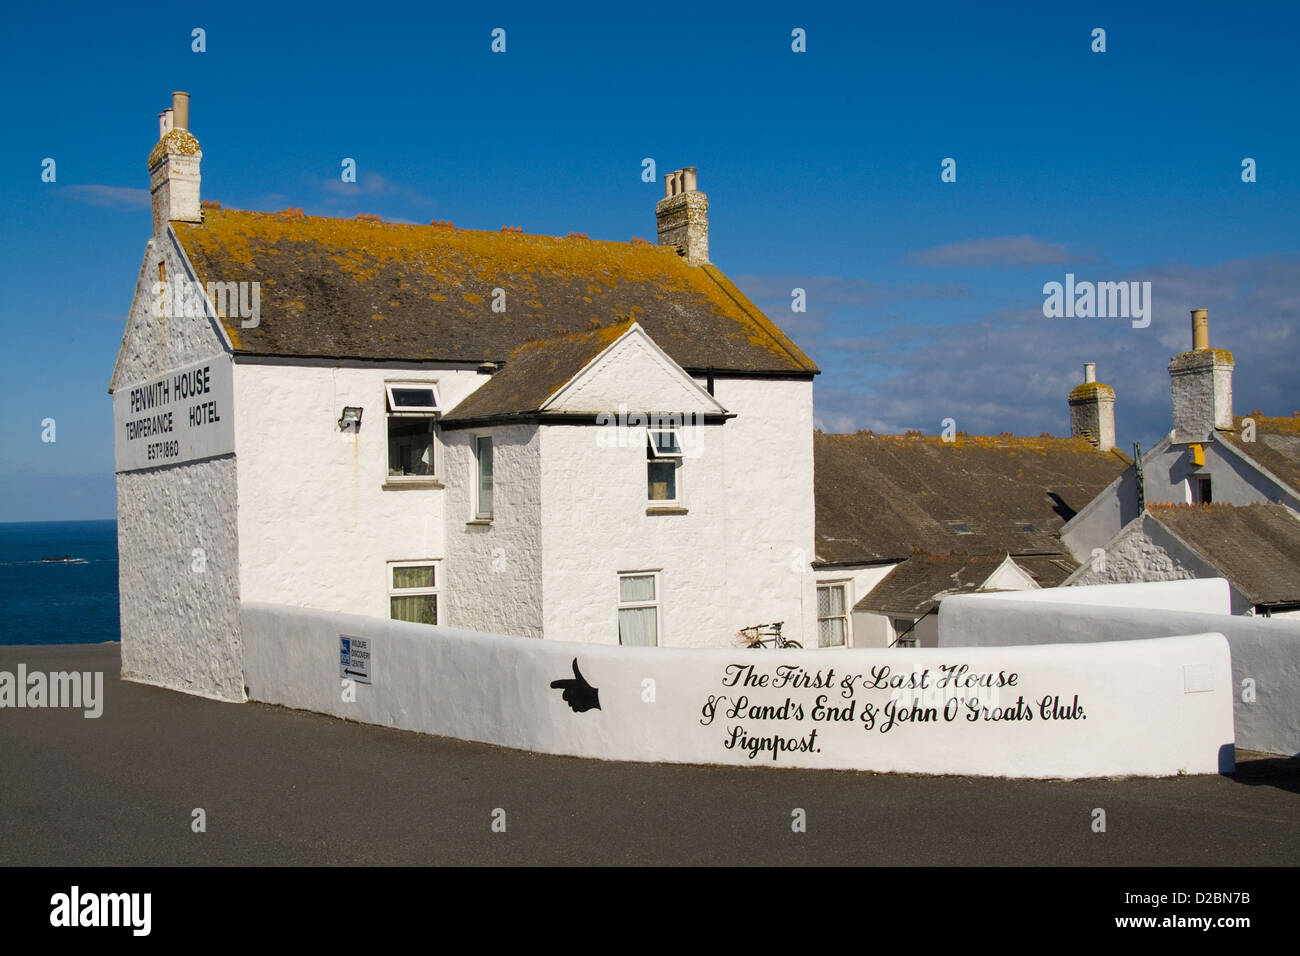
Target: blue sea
(58, 602)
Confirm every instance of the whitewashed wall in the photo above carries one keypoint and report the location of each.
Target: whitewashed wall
(178, 553)
(318, 516)
(1141, 707)
(1265, 651)
(739, 555)
(1147, 551)
(1233, 480)
(494, 571)
(178, 576)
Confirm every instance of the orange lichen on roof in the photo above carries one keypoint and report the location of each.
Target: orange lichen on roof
(1280, 425)
(438, 259)
(1005, 442)
(209, 204)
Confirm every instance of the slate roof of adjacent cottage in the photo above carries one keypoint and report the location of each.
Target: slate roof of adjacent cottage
(881, 497)
(915, 586)
(1276, 447)
(1256, 547)
(359, 288)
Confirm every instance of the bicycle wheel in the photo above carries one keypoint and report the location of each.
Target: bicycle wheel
(792, 644)
(754, 645)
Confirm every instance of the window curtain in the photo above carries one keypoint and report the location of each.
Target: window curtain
(637, 626)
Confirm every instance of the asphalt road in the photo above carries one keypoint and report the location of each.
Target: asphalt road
(288, 787)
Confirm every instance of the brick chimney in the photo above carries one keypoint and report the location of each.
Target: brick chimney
(1092, 410)
(683, 217)
(1201, 385)
(174, 167)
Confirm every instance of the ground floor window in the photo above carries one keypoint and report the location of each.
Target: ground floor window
(832, 615)
(638, 609)
(905, 632)
(413, 592)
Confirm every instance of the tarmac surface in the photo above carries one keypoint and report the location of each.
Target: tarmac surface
(279, 786)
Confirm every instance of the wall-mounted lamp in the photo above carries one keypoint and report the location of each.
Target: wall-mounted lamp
(350, 421)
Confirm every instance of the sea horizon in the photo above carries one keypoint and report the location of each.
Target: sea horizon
(58, 582)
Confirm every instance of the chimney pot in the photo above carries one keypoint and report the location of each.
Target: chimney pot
(1200, 328)
(181, 109)
(688, 179)
(1090, 371)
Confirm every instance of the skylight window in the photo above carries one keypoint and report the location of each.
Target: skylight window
(958, 527)
(664, 442)
(412, 398)
(1024, 527)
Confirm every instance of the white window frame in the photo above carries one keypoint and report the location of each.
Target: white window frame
(478, 512)
(435, 590)
(657, 603)
(393, 405)
(431, 415)
(847, 616)
(658, 452)
(654, 454)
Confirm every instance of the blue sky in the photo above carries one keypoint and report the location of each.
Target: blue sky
(822, 171)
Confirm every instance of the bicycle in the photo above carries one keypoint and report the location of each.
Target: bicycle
(765, 635)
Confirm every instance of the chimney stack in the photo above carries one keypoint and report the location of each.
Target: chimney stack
(1201, 385)
(683, 216)
(1092, 410)
(174, 167)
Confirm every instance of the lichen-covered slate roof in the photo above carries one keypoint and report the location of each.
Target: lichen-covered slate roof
(533, 372)
(1276, 446)
(1256, 547)
(358, 288)
(914, 587)
(881, 497)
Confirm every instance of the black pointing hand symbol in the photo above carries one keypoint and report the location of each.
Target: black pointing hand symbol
(578, 694)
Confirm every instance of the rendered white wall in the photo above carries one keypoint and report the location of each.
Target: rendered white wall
(494, 571)
(1265, 651)
(180, 609)
(1143, 707)
(1147, 551)
(178, 554)
(1233, 481)
(317, 525)
(739, 555)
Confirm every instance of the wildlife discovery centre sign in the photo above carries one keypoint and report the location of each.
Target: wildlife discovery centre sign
(182, 415)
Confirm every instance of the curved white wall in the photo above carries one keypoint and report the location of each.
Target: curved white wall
(1141, 707)
(1265, 651)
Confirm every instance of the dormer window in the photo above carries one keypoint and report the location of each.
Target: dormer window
(663, 459)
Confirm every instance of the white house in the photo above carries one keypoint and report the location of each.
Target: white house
(1216, 497)
(552, 437)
